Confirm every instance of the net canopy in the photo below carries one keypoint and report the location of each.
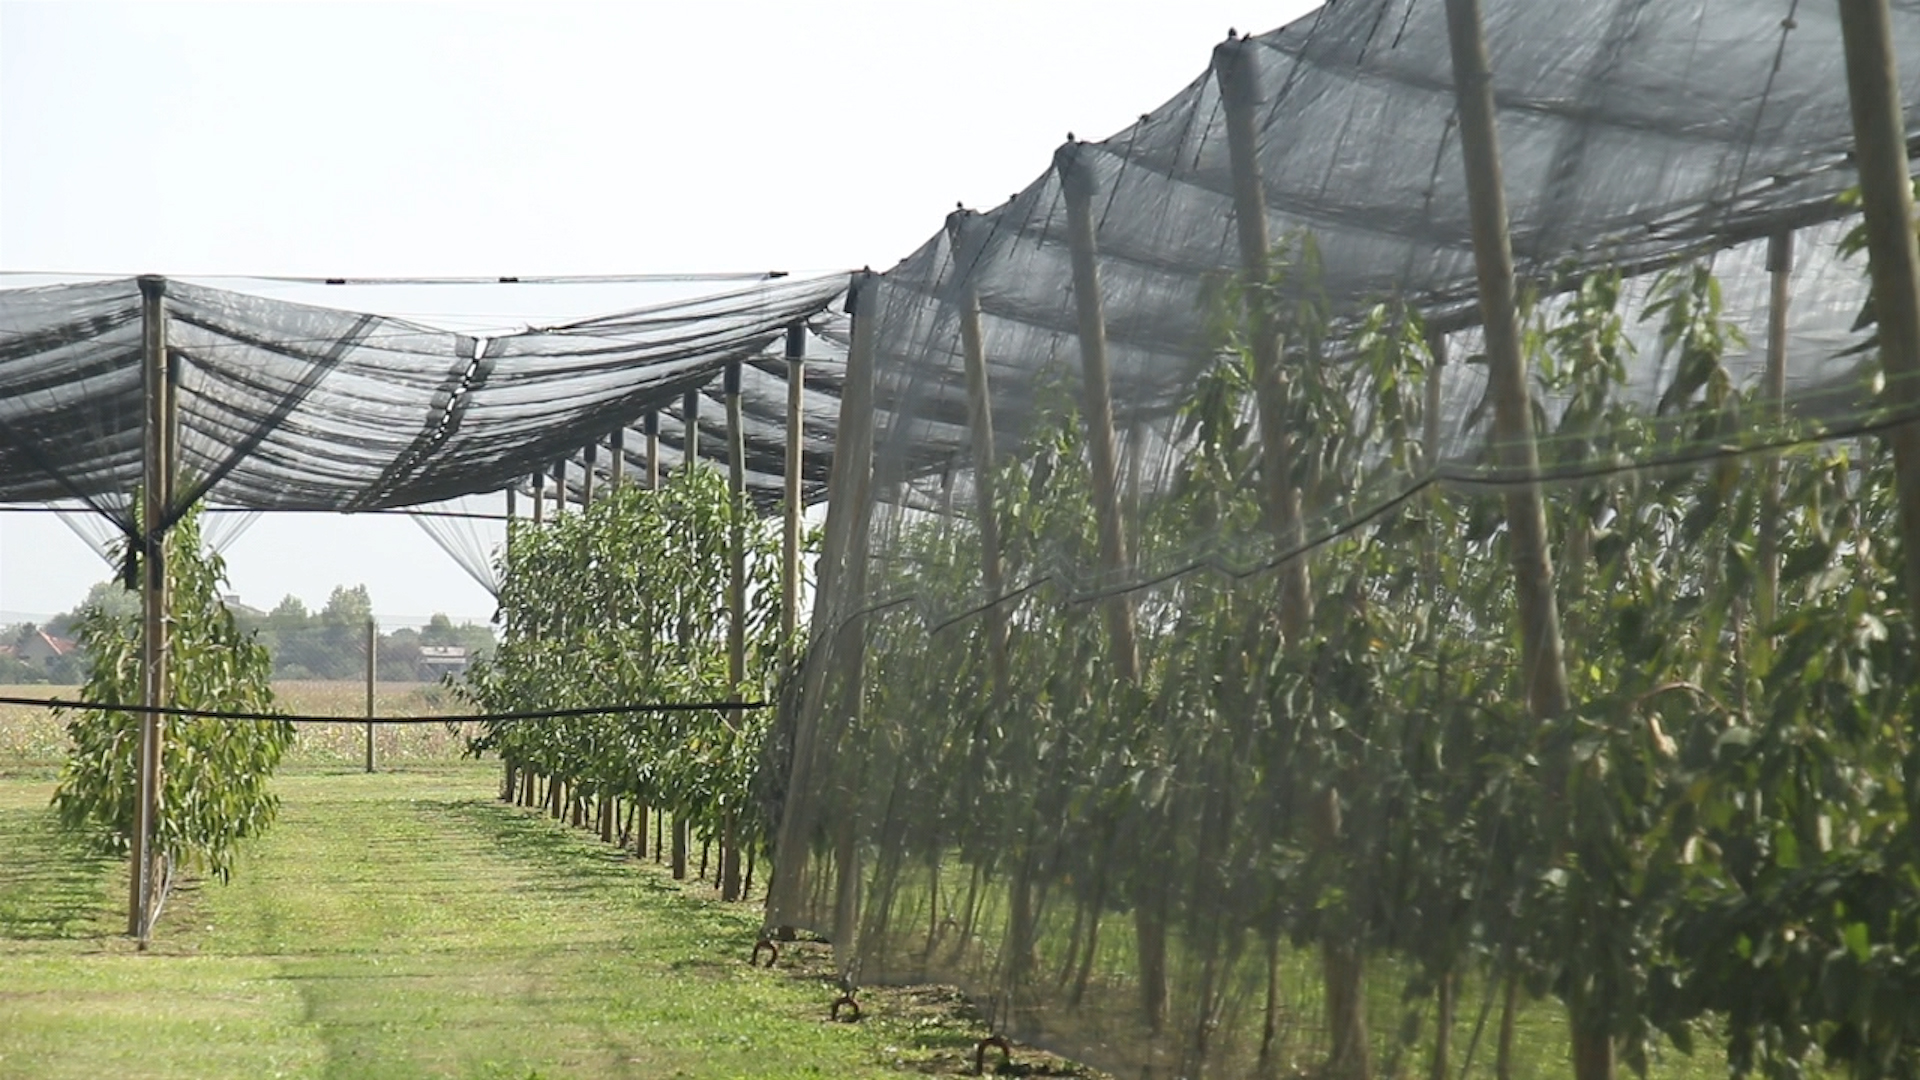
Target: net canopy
(288, 406)
(1173, 708)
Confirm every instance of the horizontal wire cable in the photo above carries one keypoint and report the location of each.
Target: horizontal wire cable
(454, 718)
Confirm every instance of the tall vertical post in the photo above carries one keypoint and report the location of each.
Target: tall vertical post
(1280, 499)
(1546, 677)
(980, 429)
(1348, 1052)
(966, 242)
(1773, 397)
(850, 475)
(690, 446)
(1541, 654)
(539, 480)
(1077, 183)
(156, 497)
(796, 461)
(373, 647)
(736, 601)
(653, 449)
(512, 499)
(1886, 197)
(559, 487)
(589, 460)
(617, 457)
(690, 428)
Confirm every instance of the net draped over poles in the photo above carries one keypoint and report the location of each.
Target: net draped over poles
(1161, 688)
(286, 406)
(1125, 855)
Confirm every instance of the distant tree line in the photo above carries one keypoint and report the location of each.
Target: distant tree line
(328, 644)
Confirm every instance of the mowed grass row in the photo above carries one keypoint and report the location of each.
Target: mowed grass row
(403, 925)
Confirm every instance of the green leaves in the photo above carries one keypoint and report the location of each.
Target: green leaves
(624, 602)
(215, 773)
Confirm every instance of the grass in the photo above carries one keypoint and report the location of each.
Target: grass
(404, 925)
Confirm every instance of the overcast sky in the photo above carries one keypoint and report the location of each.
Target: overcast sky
(358, 140)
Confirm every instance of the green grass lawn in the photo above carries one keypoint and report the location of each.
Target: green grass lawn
(404, 925)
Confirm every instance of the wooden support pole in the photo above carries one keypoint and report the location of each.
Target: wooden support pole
(739, 511)
(1886, 198)
(617, 455)
(690, 428)
(1280, 498)
(1546, 676)
(653, 449)
(980, 430)
(539, 480)
(1077, 183)
(1348, 1052)
(559, 487)
(589, 460)
(156, 498)
(1773, 398)
(512, 500)
(1541, 654)
(796, 462)
(850, 475)
(373, 646)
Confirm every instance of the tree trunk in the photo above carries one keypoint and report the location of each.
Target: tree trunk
(730, 861)
(1348, 1057)
(1442, 1027)
(679, 848)
(1270, 1026)
(1150, 931)
(1509, 1009)
(1592, 1052)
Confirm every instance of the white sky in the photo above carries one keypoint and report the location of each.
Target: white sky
(360, 140)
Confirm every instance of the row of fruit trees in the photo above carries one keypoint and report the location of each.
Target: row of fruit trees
(1716, 842)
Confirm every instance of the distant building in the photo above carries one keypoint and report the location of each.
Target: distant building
(438, 660)
(40, 647)
(240, 610)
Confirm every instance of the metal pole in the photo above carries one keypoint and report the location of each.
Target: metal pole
(373, 639)
(1546, 676)
(796, 460)
(155, 497)
(1077, 183)
(1886, 197)
(1280, 499)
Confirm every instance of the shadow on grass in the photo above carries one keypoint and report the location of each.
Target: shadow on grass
(934, 1030)
(52, 881)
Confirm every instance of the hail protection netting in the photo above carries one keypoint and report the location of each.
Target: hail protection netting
(1174, 707)
(285, 406)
